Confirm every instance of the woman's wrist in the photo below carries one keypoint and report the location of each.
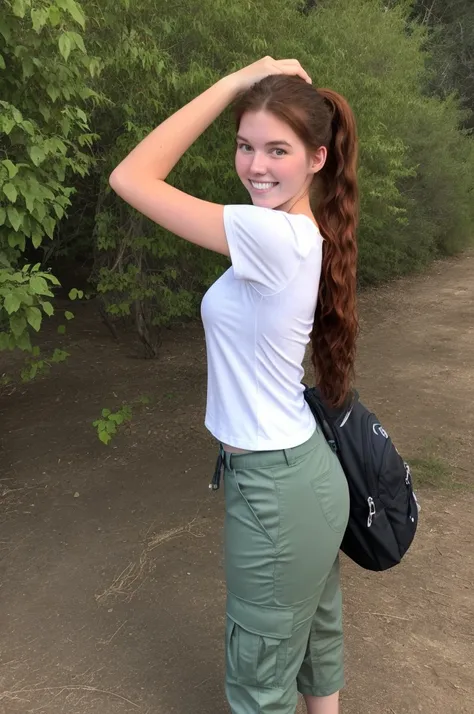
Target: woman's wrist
(230, 85)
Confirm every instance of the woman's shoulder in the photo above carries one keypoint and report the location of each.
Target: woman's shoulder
(264, 217)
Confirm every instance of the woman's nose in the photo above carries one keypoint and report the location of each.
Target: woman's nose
(258, 165)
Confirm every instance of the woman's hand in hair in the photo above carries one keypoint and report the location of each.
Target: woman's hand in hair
(246, 77)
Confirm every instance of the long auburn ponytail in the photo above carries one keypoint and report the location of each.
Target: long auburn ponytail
(336, 324)
(321, 117)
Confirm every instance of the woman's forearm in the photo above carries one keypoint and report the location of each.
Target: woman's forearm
(160, 151)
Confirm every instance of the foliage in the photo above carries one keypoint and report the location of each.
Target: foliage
(451, 41)
(39, 364)
(416, 166)
(44, 140)
(109, 422)
(140, 270)
(23, 303)
(77, 97)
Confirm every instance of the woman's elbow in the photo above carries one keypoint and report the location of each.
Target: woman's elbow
(116, 180)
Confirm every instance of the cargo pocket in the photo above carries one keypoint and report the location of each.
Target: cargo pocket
(257, 640)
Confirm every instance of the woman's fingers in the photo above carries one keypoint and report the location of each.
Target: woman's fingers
(292, 66)
(247, 76)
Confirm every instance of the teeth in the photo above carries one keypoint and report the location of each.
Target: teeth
(262, 186)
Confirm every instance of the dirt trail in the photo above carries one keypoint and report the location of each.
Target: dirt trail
(112, 594)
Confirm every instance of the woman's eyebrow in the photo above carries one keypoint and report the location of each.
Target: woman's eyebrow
(269, 143)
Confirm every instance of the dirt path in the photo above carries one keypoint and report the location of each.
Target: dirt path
(112, 594)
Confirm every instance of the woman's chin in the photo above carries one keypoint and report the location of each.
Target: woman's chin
(265, 201)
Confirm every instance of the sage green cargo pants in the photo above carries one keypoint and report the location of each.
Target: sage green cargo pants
(286, 513)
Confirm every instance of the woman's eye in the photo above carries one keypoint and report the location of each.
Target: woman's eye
(246, 148)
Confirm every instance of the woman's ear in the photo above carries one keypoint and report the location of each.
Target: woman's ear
(318, 159)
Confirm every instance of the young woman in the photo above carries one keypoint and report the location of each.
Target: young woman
(292, 279)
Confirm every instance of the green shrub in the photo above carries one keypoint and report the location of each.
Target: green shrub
(44, 140)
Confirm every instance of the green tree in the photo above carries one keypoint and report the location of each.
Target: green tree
(66, 88)
(451, 25)
(158, 56)
(155, 61)
(416, 167)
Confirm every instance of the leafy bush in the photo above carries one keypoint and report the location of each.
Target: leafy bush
(44, 141)
(67, 87)
(416, 169)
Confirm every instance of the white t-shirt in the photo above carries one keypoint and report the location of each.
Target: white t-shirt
(258, 318)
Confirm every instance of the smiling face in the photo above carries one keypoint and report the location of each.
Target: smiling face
(272, 162)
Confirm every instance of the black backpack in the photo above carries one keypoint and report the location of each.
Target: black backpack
(383, 507)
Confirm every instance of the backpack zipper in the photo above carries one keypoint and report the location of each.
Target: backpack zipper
(407, 474)
(370, 500)
(372, 511)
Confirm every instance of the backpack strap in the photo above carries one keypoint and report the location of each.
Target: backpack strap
(329, 434)
(321, 418)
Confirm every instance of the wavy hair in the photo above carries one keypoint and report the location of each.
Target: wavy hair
(321, 117)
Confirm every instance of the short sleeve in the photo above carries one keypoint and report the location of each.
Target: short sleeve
(264, 246)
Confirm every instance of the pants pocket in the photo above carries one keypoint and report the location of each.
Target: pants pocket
(332, 494)
(257, 639)
(260, 500)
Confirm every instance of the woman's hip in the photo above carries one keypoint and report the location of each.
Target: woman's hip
(286, 513)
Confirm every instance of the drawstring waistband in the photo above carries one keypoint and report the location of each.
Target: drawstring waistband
(219, 470)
